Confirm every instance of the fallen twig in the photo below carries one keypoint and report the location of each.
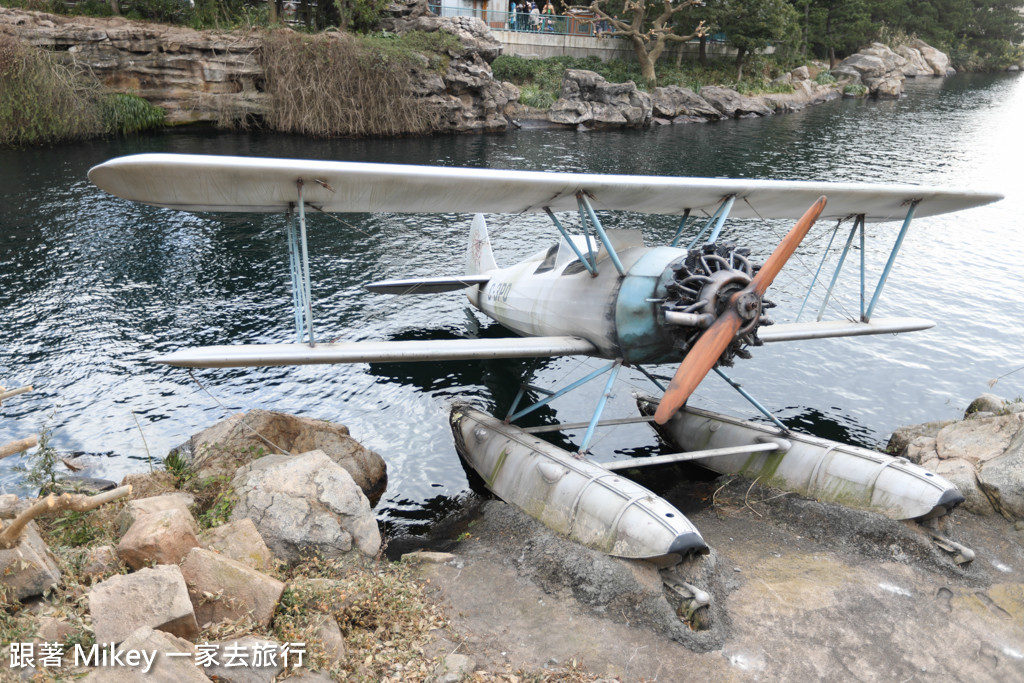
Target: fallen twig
(19, 445)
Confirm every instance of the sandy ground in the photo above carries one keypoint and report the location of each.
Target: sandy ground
(801, 591)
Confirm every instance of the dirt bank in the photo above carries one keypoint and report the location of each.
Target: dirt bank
(801, 591)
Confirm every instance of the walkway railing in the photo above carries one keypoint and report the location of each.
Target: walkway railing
(573, 24)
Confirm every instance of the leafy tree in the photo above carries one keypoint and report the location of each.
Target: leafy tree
(649, 25)
(752, 25)
(835, 27)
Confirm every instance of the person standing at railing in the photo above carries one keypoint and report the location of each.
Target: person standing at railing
(513, 15)
(534, 17)
(549, 13)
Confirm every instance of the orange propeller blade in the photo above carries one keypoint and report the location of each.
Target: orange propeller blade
(705, 353)
(787, 246)
(697, 363)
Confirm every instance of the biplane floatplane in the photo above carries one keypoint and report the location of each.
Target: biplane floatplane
(601, 293)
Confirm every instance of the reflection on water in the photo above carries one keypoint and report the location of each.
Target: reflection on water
(91, 287)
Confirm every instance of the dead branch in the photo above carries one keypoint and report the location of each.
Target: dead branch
(18, 445)
(13, 392)
(78, 502)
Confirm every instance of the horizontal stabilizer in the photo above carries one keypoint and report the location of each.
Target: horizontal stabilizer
(841, 328)
(426, 285)
(258, 355)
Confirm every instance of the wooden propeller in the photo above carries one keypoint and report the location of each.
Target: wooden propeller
(709, 347)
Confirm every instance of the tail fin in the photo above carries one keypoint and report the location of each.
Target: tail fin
(479, 258)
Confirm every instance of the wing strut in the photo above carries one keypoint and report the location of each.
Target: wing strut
(298, 263)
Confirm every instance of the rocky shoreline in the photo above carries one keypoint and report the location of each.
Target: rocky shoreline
(215, 76)
(259, 538)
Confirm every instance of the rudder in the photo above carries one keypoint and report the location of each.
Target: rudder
(479, 257)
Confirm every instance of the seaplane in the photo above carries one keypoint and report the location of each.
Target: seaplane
(594, 292)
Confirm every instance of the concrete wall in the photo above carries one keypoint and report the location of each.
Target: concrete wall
(530, 44)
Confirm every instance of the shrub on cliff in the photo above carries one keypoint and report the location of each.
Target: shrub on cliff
(342, 85)
(44, 101)
(41, 100)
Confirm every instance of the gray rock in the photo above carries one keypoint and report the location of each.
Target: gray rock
(936, 59)
(28, 569)
(453, 668)
(903, 436)
(328, 635)
(221, 449)
(878, 68)
(986, 403)
(731, 104)
(245, 650)
(589, 100)
(221, 588)
(916, 64)
(241, 541)
(978, 441)
(801, 73)
(165, 669)
(146, 506)
(1002, 479)
(673, 101)
(964, 476)
(100, 561)
(305, 505)
(155, 598)
(159, 538)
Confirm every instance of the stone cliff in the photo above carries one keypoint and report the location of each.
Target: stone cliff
(216, 76)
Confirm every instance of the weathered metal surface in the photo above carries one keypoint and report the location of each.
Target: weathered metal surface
(195, 182)
(580, 499)
(814, 467)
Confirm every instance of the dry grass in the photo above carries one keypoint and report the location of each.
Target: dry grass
(338, 85)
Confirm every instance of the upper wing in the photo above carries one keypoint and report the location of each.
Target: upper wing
(222, 183)
(252, 355)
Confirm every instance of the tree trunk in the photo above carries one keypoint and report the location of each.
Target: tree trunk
(114, 8)
(646, 65)
(702, 55)
(740, 54)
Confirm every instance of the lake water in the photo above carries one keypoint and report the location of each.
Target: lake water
(91, 287)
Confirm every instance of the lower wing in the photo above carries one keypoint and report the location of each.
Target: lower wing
(253, 355)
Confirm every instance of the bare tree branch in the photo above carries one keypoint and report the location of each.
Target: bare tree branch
(19, 445)
(78, 502)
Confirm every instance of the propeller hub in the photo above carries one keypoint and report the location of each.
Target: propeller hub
(705, 284)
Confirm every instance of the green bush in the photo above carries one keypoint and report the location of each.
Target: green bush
(122, 114)
(824, 78)
(854, 90)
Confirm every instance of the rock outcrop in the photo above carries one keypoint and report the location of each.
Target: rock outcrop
(221, 449)
(217, 76)
(982, 454)
(882, 71)
(588, 99)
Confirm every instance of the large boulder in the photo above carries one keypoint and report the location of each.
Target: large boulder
(159, 538)
(305, 505)
(674, 101)
(916, 64)
(877, 67)
(221, 449)
(588, 99)
(1002, 479)
(733, 105)
(241, 541)
(222, 589)
(155, 598)
(936, 59)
